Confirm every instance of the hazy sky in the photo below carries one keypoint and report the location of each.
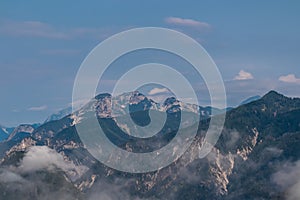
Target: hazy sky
(42, 44)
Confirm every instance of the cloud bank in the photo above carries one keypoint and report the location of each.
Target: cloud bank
(288, 178)
(39, 176)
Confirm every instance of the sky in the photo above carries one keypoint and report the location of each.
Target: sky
(255, 45)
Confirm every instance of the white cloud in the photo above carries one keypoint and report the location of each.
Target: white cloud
(290, 78)
(10, 177)
(243, 75)
(155, 91)
(42, 157)
(43, 30)
(38, 108)
(31, 28)
(56, 52)
(187, 22)
(288, 178)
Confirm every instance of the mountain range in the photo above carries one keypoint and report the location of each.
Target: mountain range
(5, 132)
(250, 99)
(256, 157)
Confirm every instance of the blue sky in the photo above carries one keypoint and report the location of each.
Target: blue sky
(254, 44)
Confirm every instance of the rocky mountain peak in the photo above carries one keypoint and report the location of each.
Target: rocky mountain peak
(275, 103)
(172, 105)
(137, 97)
(24, 128)
(103, 96)
(273, 95)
